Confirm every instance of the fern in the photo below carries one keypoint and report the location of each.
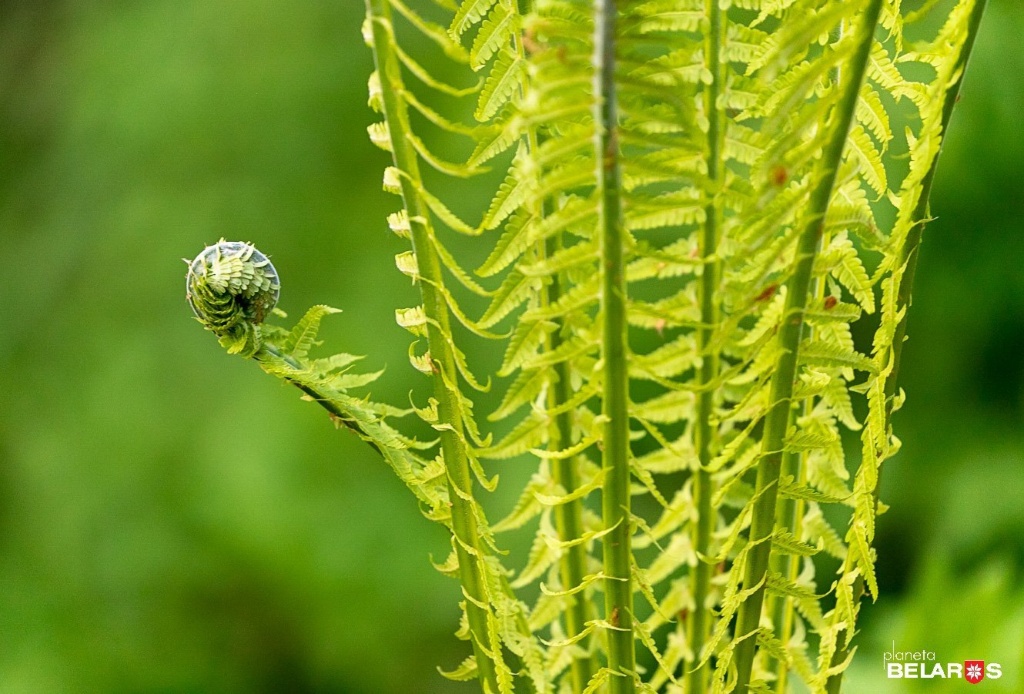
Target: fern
(697, 201)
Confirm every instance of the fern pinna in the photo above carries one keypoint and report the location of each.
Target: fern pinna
(701, 200)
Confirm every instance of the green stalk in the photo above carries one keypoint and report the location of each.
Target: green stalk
(469, 550)
(704, 431)
(790, 514)
(323, 399)
(790, 332)
(569, 516)
(615, 499)
(908, 258)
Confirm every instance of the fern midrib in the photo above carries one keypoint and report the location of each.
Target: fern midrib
(468, 547)
(790, 332)
(615, 500)
(909, 255)
(704, 433)
(568, 515)
(323, 399)
(789, 514)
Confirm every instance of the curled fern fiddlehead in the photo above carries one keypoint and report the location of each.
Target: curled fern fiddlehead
(232, 287)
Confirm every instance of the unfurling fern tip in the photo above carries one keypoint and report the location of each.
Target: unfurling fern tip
(232, 287)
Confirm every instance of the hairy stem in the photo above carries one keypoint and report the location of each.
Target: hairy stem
(790, 332)
(337, 413)
(615, 498)
(908, 259)
(468, 547)
(704, 430)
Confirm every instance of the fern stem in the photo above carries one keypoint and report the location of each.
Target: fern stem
(468, 547)
(569, 516)
(908, 260)
(790, 332)
(615, 499)
(325, 401)
(704, 432)
(790, 515)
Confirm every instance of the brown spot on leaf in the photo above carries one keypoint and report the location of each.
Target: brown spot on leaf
(530, 42)
(611, 149)
(767, 293)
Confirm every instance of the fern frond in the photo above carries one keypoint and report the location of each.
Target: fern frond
(707, 198)
(468, 14)
(497, 31)
(504, 80)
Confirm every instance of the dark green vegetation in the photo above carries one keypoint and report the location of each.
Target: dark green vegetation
(209, 532)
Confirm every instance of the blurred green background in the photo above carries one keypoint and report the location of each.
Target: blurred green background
(171, 520)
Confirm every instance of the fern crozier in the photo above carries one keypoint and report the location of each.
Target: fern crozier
(232, 287)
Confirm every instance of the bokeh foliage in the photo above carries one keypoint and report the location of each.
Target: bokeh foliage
(171, 521)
